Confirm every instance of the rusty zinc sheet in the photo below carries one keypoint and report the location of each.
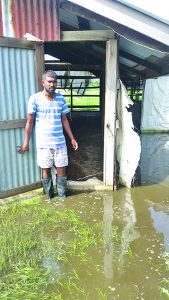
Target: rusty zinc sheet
(39, 18)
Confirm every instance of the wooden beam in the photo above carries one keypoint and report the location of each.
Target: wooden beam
(19, 190)
(40, 65)
(74, 54)
(140, 61)
(117, 27)
(12, 124)
(86, 35)
(72, 67)
(18, 43)
(129, 18)
(133, 71)
(76, 77)
(110, 111)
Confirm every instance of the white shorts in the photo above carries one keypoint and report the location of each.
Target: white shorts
(47, 158)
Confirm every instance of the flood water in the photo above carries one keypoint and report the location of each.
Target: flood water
(95, 245)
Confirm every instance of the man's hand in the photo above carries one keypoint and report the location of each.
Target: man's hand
(23, 148)
(28, 129)
(74, 144)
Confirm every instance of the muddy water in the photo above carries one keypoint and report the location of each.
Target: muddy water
(113, 245)
(136, 264)
(131, 258)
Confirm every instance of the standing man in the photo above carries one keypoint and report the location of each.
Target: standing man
(49, 110)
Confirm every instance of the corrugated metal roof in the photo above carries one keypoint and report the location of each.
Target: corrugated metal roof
(147, 53)
(134, 48)
(152, 13)
(128, 17)
(37, 17)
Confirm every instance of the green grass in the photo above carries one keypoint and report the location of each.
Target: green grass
(84, 101)
(45, 253)
(30, 235)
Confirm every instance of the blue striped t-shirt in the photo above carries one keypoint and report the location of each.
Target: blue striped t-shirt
(49, 129)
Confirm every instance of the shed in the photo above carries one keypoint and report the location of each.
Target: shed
(110, 39)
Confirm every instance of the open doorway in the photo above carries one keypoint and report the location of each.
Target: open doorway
(82, 91)
(81, 83)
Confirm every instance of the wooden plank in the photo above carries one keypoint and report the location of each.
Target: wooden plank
(82, 95)
(76, 77)
(127, 31)
(87, 35)
(12, 124)
(140, 61)
(65, 67)
(19, 190)
(85, 106)
(40, 65)
(110, 111)
(141, 74)
(84, 87)
(18, 43)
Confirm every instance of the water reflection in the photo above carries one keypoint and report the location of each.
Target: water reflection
(115, 253)
(129, 232)
(154, 163)
(161, 224)
(107, 234)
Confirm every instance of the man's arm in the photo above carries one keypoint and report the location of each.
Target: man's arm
(68, 130)
(28, 130)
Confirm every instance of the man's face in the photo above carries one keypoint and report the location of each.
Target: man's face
(49, 84)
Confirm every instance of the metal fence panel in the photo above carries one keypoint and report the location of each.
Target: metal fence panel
(17, 83)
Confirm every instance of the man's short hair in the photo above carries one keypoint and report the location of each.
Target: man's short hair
(49, 73)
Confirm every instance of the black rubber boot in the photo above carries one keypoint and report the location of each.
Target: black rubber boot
(61, 186)
(48, 187)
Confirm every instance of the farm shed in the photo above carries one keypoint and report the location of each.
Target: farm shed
(114, 41)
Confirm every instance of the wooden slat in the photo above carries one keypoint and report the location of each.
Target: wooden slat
(87, 35)
(18, 43)
(83, 87)
(140, 61)
(85, 106)
(76, 77)
(40, 65)
(82, 96)
(128, 31)
(65, 67)
(110, 111)
(19, 190)
(11, 124)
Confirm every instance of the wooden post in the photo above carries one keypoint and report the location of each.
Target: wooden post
(71, 99)
(40, 66)
(110, 111)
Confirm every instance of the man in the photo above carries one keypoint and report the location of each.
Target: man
(49, 110)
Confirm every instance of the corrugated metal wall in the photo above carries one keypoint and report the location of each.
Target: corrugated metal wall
(1, 26)
(18, 82)
(37, 17)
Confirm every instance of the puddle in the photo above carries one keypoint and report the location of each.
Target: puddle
(111, 245)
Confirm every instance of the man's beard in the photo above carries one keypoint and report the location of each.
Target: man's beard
(50, 90)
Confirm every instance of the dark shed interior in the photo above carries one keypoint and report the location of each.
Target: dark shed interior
(139, 58)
